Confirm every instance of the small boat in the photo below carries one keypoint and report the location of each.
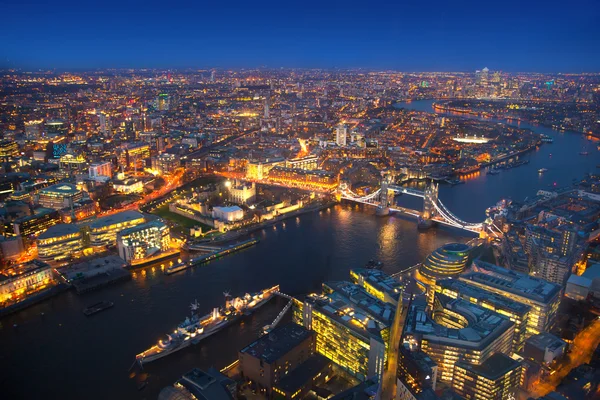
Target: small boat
(493, 172)
(542, 170)
(584, 153)
(96, 308)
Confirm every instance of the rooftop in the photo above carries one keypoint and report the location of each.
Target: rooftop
(278, 342)
(23, 269)
(483, 325)
(59, 230)
(303, 373)
(535, 289)
(493, 368)
(381, 281)
(61, 188)
(118, 218)
(156, 223)
(365, 306)
(465, 289)
(546, 341)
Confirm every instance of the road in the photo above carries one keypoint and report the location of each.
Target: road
(583, 347)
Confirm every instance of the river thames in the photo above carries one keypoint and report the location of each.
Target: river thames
(63, 354)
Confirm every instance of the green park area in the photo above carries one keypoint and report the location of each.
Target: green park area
(183, 222)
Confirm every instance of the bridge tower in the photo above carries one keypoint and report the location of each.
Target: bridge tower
(385, 197)
(429, 201)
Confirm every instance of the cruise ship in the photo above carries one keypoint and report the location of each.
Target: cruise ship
(195, 327)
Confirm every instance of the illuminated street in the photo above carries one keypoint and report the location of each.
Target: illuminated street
(582, 349)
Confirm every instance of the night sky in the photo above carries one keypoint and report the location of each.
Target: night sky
(431, 35)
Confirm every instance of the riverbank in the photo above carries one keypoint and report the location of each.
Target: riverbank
(438, 107)
(242, 233)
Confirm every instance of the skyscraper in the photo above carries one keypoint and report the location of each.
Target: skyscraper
(341, 132)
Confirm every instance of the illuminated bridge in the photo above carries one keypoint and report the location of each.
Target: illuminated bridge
(433, 208)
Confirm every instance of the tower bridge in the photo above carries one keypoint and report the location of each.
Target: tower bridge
(434, 211)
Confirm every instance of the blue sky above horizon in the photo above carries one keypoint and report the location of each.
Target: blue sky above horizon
(434, 35)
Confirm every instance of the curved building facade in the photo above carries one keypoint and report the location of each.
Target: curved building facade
(447, 261)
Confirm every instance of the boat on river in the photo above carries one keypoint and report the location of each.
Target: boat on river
(195, 328)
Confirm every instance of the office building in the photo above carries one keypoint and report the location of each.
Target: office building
(448, 261)
(165, 163)
(60, 242)
(351, 327)
(59, 196)
(378, 284)
(32, 225)
(142, 241)
(550, 266)
(199, 385)
(300, 381)
(497, 378)
(308, 162)
(103, 231)
(259, 170)
(544, 348)
(305, 179)
(56, 128)
(8, 150)
(518, 313)
(542, 296)
(100, 171)
(456, 330)
(416, 375)
(133, 155)
(73, 164)
(128, 185)
(341, 133)
(20, 281)
(273, 356)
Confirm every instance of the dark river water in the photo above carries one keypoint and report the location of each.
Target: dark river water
(63, 354)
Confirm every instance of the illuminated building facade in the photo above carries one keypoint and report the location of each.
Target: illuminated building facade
(456, 330)
(8, 149)
(103, 231)
(100, 171)
(128, 185)
(60, 242)
(348, 331)
(542, 296)
(497, 378)
(165, 163)
(448, 261)
(56, 128)
(134, 155)
(316, 179)
(259, 170)
(309, 162)
(416, 375)
(378, 284)
(242, 192)
(17, 282)
(73, 164)
(230, 214)
(59, 196)
(341, 135)
(33, 225)
(518, 313)
(141, 241)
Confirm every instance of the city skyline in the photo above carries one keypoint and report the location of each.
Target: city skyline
(551, 37)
